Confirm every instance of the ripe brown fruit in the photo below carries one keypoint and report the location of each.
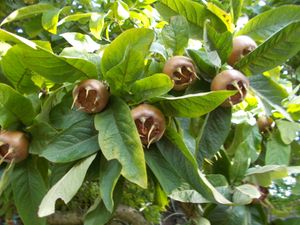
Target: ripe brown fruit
(242, 45)
(13, 146)
(264, 123)
(181, 70)
(90, 96)
(150, 123)
(231, 80)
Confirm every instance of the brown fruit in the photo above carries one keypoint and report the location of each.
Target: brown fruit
(264, 123)
(13, 146)
(150, 123)
(231, 80)
(242, 45)
(90, 96)
(181, 70)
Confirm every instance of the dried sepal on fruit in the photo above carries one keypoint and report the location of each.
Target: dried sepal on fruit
(181, 70)
(231, 80)
(13, 146)
(241, 46)
(150, 123)
(90, 96)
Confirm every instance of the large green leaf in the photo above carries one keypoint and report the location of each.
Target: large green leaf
(10, 37)
(110, 172)
(277, 152)
(220, 42)
(66, 187)
(27, 12)
(97, 214)
(176, 34)
(16, 72)
(118, 139)
(270, 92)
(213, 133)
(263, 175)
(82, 42)
(175, 155)
(150, 87)
(76, 142)
(270, 22)
(236, 215)
(123, 59)
(288, 130)
(198, 104)
(273, 52)
(236, 8)
(28, 190)
(288, 221)
(50, 20)
(5, 176)
(206, 68)
(194, 12)
(14, 107)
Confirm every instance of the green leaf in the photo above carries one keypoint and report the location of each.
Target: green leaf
(207, 69)
(74, 17)
(118, 139)
(150, 87)
(14, 107)
(50, 20)
(241, 162)
(67, 69)
(123, 60)
(236, 8)
(288, 130)
(220, 42)
(73, 143)
(28, 190)
(16, 72)
(288, 221)
(270, 22)
(277, 152)
(270, 92)
(236, 215)
(81, 41)
(273, 52)
(96, 24)
(199, 104)
(10, 37)
(176, 34)
(188, 171)
(244, 194)
(195, 13)
(110, 172)
(213, 133)
(27, 12)
(263, 175)
(164, 173)
(248, 135)
(66, 187)
(5, 177)
(97, 214)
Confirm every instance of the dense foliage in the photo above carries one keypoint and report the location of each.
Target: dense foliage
(168, 130)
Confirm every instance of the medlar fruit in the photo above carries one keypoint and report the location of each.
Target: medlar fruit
(150, 123)
(231, 80)
(90, 96)
(242, 45)
(264, 123)
(13, 146)
(181, 70)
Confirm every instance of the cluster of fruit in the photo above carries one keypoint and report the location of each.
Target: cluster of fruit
(92, 96)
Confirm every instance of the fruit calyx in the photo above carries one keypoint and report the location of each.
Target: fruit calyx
(90, 96)
(231, 80)
(150, 123)
(181, 70)
(13, 146)
(241, 46)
